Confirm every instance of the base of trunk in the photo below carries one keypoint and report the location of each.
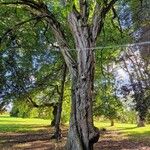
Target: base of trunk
(141, 123)
(52, 124)
(57, 135)
(112, 123)
(74, 142)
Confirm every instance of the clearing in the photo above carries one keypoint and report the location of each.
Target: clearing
(28, 134)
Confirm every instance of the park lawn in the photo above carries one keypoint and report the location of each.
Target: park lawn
(13, 124)
(130, 131)
(32, 133)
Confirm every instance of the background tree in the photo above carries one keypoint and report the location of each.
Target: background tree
(138, 82)
(32, 75)
(107, 102)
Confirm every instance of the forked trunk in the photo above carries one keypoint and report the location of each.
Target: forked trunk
(82, 133)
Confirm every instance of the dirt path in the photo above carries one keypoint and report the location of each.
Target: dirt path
(110, 140)
(114, 140)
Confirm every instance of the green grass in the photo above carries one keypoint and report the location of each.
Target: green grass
(12, 124)
(130, 130)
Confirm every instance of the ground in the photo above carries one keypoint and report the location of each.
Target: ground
(28, 134)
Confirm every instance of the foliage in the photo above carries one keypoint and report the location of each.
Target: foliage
(128, 116)
(137, 84)
(107, 102)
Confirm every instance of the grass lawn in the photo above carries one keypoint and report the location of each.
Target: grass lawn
(19, 133)
(12, 124)
(129, 130)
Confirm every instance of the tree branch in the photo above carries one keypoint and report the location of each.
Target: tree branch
(84, 9)
(99, 16)
(18, 25)
(56, 27)
(38, 106)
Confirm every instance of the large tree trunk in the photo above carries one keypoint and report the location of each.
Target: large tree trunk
(82, 133)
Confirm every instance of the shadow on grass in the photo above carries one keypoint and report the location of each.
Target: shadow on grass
(121, 145)
(26, 137)
(32, 141)
(38, 139)
(135, 134)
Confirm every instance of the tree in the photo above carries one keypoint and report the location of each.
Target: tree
(138, 85)
(85, 19)
(2, 108)
(107, 102)
(57, 133)
(135, 59)
(26, 73)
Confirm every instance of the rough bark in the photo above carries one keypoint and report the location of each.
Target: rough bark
(82, 133)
